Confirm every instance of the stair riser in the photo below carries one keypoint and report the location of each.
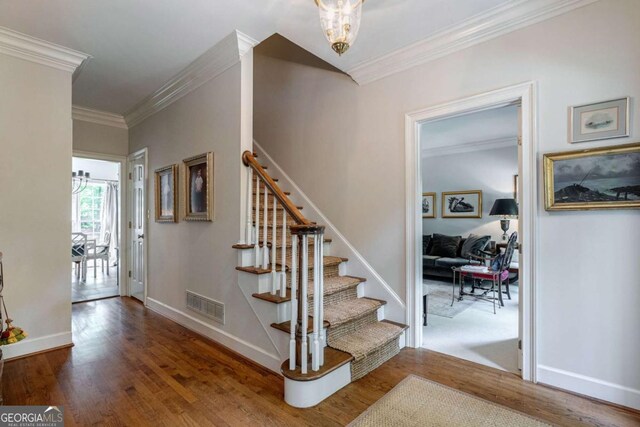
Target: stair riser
(336, 332)
(349, 293)
(330, 271)
(362, 367)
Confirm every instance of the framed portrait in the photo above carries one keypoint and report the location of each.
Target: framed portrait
(428, 205)
(166, 194)
(462, 204)
(198, 187)
(599, 178)
(601, 120)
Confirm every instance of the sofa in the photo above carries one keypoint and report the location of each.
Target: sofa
(441, 252)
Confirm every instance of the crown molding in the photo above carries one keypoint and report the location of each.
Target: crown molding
(471, 146)
(493, 23)
(210, 64)
(99, 117)
(42, 52)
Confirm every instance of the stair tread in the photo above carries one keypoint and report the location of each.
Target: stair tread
(333, 359)
(276, 299)
(348, 310)
(332, 285)
(367, 339)
(286, 326)
(254, 270)
(289, 243)
(328, 261)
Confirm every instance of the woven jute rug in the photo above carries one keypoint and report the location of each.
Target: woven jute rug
(419, 402)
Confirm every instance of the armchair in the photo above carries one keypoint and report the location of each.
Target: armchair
(100, 252)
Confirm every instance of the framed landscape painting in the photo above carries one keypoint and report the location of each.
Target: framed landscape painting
(462, 204)
(599, 178)
(601, 120)
(198, 187)
(428, 205)
(166, 180)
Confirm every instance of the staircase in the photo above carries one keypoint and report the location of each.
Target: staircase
(318, 315)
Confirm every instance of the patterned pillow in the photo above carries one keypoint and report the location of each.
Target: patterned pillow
(426, 244)
(445, 246)
(473, 245)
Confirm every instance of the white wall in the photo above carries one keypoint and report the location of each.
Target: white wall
(35, 196)
(198, 255)
(102, 139)
(491, 171)
(344, 146)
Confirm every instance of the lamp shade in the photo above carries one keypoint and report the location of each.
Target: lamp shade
(504, 207)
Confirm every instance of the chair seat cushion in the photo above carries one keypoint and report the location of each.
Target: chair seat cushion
(486, 276)
(451, 262)
(429, 260)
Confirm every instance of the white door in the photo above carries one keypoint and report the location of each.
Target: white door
(518, 253)
(137, 222)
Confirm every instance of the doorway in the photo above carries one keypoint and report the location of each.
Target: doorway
(524, 95)
(96, 206)
(137, 222)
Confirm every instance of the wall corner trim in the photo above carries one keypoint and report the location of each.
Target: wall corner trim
(42, 52)
(210, 64)
(99, 117)
(493, 23)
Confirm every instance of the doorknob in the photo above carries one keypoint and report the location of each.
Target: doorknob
(140, 236)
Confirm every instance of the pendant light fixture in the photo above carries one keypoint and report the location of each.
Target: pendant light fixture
(340, 21)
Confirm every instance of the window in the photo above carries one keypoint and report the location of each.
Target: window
(86, 209)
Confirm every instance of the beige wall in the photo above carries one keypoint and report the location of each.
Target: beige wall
(96, 138)
(192, 255)
(344, 146)
(35, 196)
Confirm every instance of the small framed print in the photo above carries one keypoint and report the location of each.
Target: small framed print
(166, 202)
(601, 120)
(462, 204)
(198, 187)
(428, 205)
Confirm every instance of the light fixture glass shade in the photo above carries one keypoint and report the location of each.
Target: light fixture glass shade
(340, 21)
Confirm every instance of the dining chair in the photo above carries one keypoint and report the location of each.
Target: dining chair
(79, 255)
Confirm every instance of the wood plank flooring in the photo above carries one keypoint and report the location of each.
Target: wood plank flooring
(133, 367)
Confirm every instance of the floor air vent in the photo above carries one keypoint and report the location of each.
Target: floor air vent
(205, 306)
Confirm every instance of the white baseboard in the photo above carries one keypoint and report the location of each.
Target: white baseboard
(248, 350)
(36, 345)
(589, 386)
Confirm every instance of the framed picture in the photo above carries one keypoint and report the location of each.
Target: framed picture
(599, 178)
(602, 120)
(428, 205)
(462, 204)
(198, 187)
(166, 194)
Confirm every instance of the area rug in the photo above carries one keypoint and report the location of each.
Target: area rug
(440, 300)
(419, 402)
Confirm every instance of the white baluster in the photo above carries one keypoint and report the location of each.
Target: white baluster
(265, 254)
(315, 351)
(321, 296)
(256, 245)
(283, 272)
(248, 238)
(304, 273)
(294, 302)
(274, 229)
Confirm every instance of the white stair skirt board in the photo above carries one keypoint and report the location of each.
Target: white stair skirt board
(258, 355)
(377, 287)
(36, 345)
(304, 394)
(582, 384)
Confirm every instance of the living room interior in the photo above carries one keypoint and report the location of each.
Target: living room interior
(271, 262)
(469, 171)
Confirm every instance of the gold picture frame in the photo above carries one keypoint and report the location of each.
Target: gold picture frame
(199, 187)
(571, 184)
(457, 207)
(428, 209)
(166, 194)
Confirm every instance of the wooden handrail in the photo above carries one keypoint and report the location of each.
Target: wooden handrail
(250, 161)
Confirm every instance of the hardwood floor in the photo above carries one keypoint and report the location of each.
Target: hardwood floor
(131, 366)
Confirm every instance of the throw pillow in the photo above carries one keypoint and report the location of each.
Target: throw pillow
(445, 246)
(426, 244)
(473, 245)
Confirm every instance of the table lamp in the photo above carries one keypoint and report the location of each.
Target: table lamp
(507, 209)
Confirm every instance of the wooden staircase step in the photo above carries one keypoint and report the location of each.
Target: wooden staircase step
(286, 326)
(333, 359)
(254, 270)
(332, 285)
(328, 261)
(368, 339)
(350, 310)
(289, 242)
(279, 207)
(276, 299)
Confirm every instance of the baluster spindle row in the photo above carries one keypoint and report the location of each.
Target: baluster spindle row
(256, 245)
(274, 229)
(294, 302)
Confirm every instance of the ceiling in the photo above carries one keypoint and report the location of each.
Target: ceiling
(493, 128)
(139, 45)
